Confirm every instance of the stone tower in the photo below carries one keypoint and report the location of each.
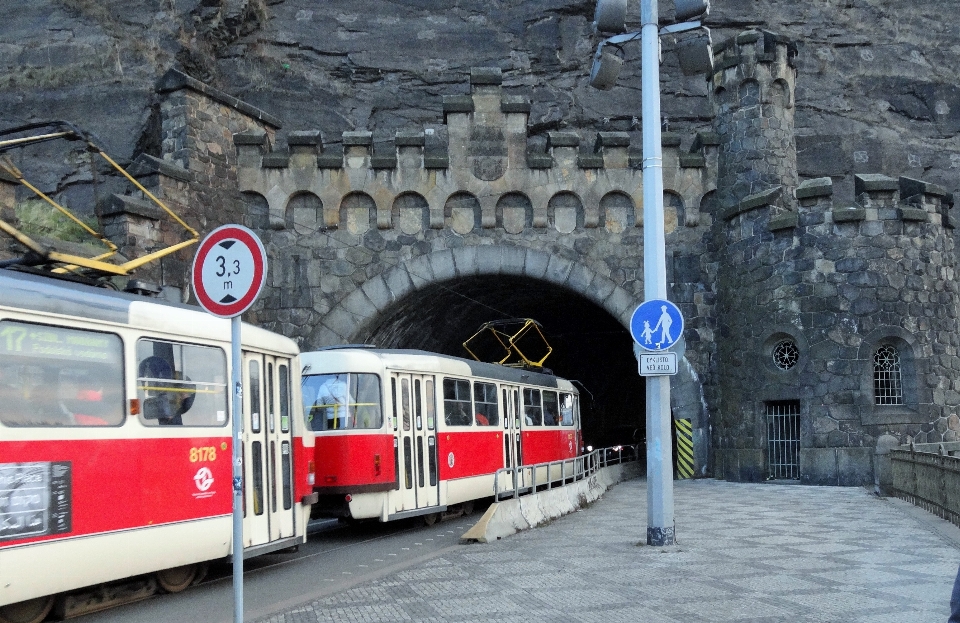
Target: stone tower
(837, 322)
(753, 89)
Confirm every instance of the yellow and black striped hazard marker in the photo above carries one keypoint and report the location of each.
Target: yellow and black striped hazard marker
(684, 449)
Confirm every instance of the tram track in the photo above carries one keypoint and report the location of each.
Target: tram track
(335, 557)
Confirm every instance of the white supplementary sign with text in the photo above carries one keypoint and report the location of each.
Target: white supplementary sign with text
(657, 364)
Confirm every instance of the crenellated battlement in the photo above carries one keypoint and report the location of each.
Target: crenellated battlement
(878, 198)
(487, 160)
(757, 55)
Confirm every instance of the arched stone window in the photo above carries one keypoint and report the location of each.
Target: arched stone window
(723, 99)
(358, 213)
(462, 212)
(411, 212)
(779, 94)
(514, 212)
(673, 202)
(749, 93)
(565, 212)
(304, 213)
(617, 213)
(887, 376)
(256, 210)
(890, 373)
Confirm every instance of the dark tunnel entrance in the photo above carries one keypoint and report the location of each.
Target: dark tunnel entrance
(589, 345)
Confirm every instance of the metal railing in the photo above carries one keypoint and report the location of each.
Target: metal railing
(513, 482)
(928, 475)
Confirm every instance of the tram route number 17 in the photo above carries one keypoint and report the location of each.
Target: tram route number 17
(657, 364)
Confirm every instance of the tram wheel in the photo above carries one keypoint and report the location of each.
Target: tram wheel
(30, 611)
(468, 507)
(431, 519)
(176, 579)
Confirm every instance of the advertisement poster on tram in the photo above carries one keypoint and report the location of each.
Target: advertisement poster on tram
(34, 499)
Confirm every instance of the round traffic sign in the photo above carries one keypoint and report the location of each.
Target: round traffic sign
(229, 270)
(656, 324)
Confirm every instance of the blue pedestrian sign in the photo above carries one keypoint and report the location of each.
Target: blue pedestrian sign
(656, 324)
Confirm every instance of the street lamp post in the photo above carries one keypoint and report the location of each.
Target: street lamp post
(610, 15)
(660, 521)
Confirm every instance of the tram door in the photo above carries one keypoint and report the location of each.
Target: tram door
(417, 431)
(268, 509)
(512, 450)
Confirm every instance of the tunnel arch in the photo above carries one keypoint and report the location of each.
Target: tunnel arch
(438, 300)
(350, 319)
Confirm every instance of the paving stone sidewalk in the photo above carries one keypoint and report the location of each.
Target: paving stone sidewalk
(757, 553)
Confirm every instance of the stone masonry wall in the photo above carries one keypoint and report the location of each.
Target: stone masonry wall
(838, 282)
(357, 229)
(379, 205)
(195, 176)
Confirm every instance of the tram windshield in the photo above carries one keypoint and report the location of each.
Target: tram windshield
(54, 376)
(342, 401)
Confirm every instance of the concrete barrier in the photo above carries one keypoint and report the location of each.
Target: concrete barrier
(513, 515)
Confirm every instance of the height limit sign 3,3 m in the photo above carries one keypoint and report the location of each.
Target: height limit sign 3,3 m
(229, 270)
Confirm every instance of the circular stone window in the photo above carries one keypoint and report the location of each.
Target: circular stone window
(785, 354)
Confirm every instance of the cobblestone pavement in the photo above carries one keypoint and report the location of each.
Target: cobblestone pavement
(758, 553)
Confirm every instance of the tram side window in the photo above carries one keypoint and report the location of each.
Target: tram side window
(342, 401)
(566, 409)
(551, 409)
(532, 408)
(55, 376)
(365, 401)
(181, 384)
(486, 404)
(456, 402)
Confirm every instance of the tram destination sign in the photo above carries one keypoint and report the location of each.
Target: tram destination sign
(229, 270)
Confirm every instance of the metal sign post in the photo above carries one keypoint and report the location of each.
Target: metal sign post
(228, 273)
(695, 57)
(660, 521)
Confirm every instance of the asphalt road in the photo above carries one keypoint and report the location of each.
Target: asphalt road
(335, 557)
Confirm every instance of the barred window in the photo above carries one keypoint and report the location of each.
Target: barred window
(887, 378)
(783, 440)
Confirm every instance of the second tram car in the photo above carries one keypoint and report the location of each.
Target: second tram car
(400, 433)
(115, 431)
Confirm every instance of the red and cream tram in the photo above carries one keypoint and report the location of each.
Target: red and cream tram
(115, 455)
(400, 433)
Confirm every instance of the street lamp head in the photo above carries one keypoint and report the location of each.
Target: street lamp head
(696, 54)
(610, 16)
(688, 9)
(606, 69)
